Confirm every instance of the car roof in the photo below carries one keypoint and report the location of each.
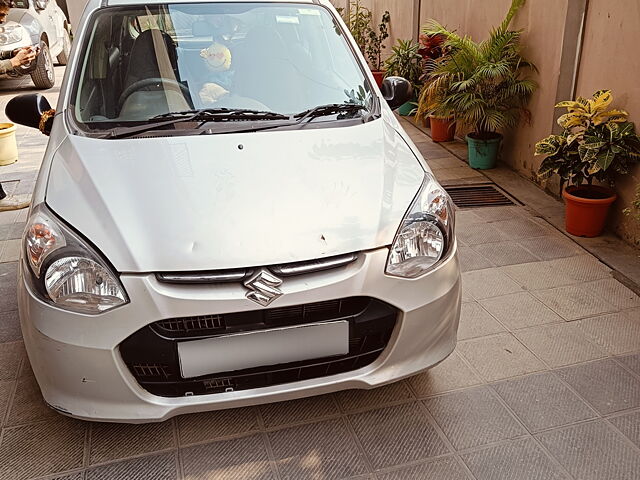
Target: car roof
(105, 3)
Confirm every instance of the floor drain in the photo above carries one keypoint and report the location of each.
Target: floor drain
(474, 196)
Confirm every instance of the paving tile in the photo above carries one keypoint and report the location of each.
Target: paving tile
(28, 405)
(467, 217)
(479, 233)
(240, 459)
(505, 253)
(617, 333)
(520, 310)
(11, 355)
(318, 450)
(476, 322)
(8, 218)
(11, 251)
(497, 214)
(499, 357)
(629, 425)
(11, 231)
(490, 282)
(473, 417)
(541, 401)
(42, 449)
(581, 268)
(615, 292)
(396, 435)
(10, 327)
(298, 411)
(200, 427)
(446, 468)
(550, 247)
(451, 374)
(537, 276)
(71, 476)
(593, 451)
(604, 384)
(354, 400)
(574, 302)
(521, 460)
(559, 344)
(114, 441)
(6, 389)
(517, 228)
(632, 362)
(8, 282)
(157, 467)
(471, 260)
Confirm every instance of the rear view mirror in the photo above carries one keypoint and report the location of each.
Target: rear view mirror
(40, 4)
(396, 91)
(31, 110)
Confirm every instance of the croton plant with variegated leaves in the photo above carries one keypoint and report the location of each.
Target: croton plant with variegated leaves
(597, 142)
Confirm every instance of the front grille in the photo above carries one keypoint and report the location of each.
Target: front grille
(152, 356)
(213, 325)
(242, 274)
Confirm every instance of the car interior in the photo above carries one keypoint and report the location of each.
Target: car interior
(140, 66)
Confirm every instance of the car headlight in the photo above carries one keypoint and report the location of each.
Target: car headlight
(11, 34)
(65, 270)
(425, 236)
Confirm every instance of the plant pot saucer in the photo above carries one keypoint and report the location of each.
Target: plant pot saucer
(15, 202)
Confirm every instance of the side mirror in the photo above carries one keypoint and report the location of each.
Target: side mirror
(40, 4)
(396, 91)
(31, 110)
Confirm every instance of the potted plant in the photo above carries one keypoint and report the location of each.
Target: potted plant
(359, 20)
(596, 143)
(376, 45)
(487, 85)
(432, 105)
(406, 62)
(432, 50)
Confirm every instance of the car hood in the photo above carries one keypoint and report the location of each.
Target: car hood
(213, 202)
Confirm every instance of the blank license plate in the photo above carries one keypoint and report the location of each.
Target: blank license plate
(262, 348)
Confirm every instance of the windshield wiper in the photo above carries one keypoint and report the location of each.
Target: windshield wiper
(329, 109)
(202, 115)
(224, 113)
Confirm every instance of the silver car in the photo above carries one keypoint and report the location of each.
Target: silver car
(228, 213)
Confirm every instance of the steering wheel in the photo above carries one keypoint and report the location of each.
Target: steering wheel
(154, 81)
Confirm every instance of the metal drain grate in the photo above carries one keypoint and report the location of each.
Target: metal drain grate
(474, 196)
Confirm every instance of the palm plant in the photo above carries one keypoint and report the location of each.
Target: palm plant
(484, 84)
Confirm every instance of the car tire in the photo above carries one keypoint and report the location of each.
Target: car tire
(44, 76)
(63, 58)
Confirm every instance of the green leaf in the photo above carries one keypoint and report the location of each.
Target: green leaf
(605, 159)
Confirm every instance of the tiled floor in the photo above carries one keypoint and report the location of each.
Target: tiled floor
(544, 384)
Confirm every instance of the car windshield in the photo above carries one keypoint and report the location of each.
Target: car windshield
(142, 62)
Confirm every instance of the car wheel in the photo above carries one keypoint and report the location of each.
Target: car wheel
(63, 58)
(43, 76)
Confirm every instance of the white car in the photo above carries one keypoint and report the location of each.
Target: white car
(38, 23)
(228, 213)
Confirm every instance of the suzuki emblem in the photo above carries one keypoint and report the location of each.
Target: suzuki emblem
(264, 287)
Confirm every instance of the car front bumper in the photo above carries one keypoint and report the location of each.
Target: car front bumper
(81, 373)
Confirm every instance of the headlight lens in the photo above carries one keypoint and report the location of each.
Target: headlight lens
(11, 34)
(426, 234)
(65, 270)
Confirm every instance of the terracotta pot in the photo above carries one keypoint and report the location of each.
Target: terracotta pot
(379, 76)
(442, 129)
(587, 207)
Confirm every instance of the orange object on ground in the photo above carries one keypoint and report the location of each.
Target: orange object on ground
(442, 129)
(587, 207)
